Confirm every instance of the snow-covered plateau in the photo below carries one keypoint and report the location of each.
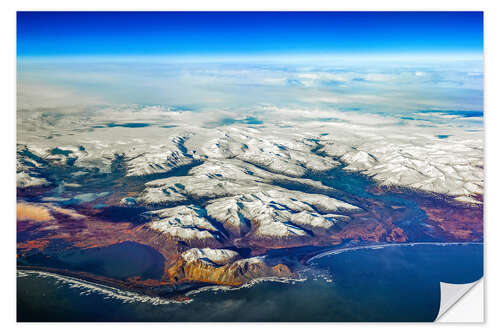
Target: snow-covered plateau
(214, 199)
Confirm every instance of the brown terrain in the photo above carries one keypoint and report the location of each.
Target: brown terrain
(43, 226)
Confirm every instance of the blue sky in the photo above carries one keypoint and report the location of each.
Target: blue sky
(53, 34)
(387, 62)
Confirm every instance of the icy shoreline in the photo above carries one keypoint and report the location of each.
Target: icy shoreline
(380, 246)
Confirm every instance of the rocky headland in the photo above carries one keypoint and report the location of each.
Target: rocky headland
(216, 203)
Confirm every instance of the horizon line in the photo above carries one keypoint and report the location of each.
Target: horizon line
(259, 57)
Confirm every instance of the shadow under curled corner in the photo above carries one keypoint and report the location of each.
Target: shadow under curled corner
(457, 299)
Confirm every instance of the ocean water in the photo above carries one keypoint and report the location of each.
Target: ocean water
(394, 283)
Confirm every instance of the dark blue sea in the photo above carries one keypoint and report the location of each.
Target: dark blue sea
(393, 283)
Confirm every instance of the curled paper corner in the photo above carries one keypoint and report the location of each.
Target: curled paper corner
(455, 302)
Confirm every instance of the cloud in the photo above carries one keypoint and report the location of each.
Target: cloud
(38, 96)
(240, 86)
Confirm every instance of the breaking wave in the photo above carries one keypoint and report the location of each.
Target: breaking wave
(108, 292)
(87, 288)
(246, 285)
(384, 245)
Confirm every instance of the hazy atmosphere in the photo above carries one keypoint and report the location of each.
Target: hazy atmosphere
(217, 166)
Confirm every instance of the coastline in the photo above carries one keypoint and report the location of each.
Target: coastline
(335, 289)
(383, 245)
(182, 293)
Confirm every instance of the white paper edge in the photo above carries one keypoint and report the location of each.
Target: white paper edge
(461, 303)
